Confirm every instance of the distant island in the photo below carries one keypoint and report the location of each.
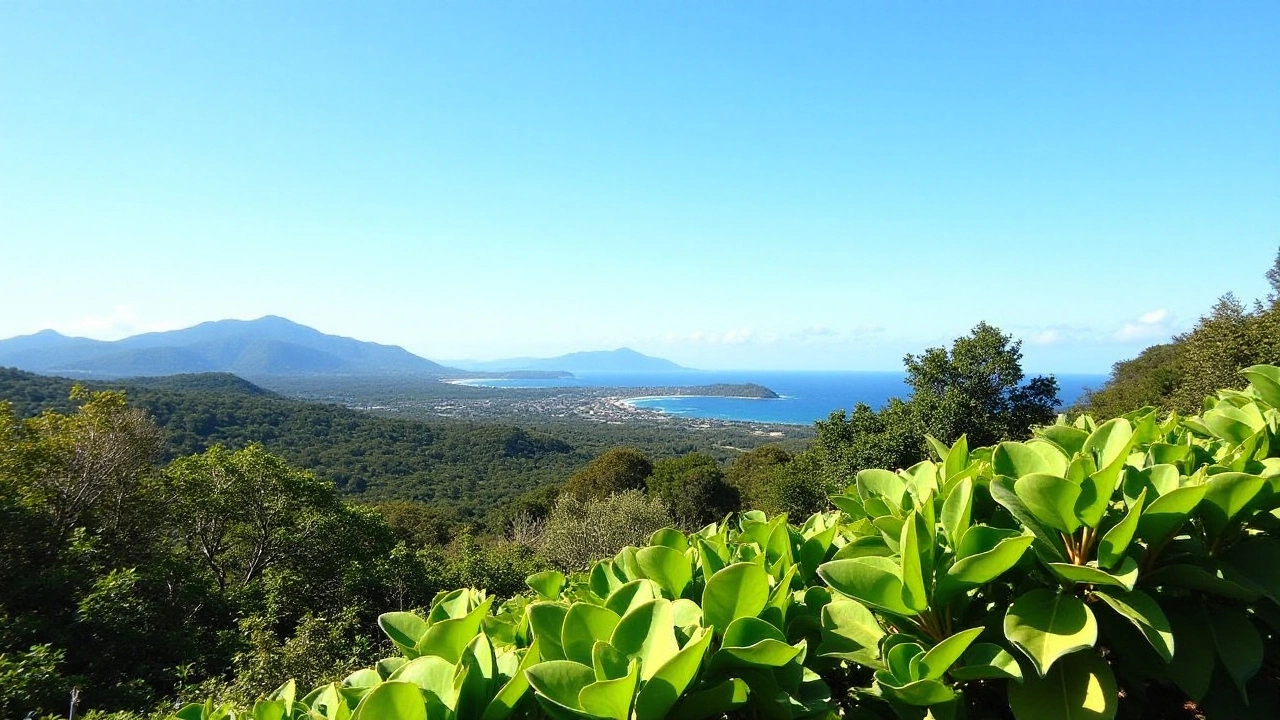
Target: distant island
(728, 390)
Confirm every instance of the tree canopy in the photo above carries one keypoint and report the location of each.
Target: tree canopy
(975, 388)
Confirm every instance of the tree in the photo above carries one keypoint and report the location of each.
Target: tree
(773, 480)
(976, 389)
(614, 471)
(693, 486)
(242, 511)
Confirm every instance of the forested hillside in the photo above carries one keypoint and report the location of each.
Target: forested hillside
(126, 524)
(470, 467)
(1177, 375)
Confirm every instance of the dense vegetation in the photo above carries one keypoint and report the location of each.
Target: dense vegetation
(466, 468)
(1178, 375)
(207, 564)
(181, 524)
(131, 526)
(1096, 570)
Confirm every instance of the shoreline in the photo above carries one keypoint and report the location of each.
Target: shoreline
(629, 403)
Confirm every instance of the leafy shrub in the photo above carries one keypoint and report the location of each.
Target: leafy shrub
(693, 486)
(614, 471)
(30, 681)
(578, 531)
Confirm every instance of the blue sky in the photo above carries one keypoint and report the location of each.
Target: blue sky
(730, 185)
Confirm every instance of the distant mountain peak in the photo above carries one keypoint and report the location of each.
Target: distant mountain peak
(267, 346)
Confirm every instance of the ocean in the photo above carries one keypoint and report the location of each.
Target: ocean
(805, 396)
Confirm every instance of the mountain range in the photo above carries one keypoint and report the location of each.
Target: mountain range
(622, 360)
(270, 346)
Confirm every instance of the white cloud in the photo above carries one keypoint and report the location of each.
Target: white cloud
(119, 322)
(1154, 325)
(1153, 317)
(1046, 337)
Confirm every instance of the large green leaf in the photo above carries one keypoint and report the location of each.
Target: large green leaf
(405, 629)
(431, 673)
(920, 693)
(670, 537)
(1048, 543)
(547, 620)
(1265, 380)
(560, 682)
(669, 568)
(956, 459)
(611, 699)
(504, 702)
(939, 658)
(1080, 687)
(1051, 499)
(873, 581)
(1138, 608)
(1167, 513)
(739, 590)
(915, 548)
(753, 642)
(585, 625)
(876, 483)
(1047, 625)
(546, 583)
(672, 679)
(475, 679)
(957, 511)
(1227, 494)
(631, 595)
(447, 638)
(1096, 490)
(1016, 459)
(1124, 577)
(987, 661)
(1110, 441)
(1229, 423)
(648, 634)
(392, 700)
(1070, 439)
(364, 677)
(713, 702)
(1115, 542)
(980, 568)
(850, 632)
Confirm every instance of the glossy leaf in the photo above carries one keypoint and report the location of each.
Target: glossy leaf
(1047, 625)
(584, 625)
(1145, 614)
(647, 633)
(939, 658)
(1080, 687)
(873, 581)
(405, 629)
(1051, 499)
(670, 681)
(399, 700)
(1167, 513)
(1016, 459)
(1112, 547)
(739, 590)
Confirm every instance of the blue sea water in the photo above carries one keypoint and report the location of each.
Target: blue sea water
(806, 396)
